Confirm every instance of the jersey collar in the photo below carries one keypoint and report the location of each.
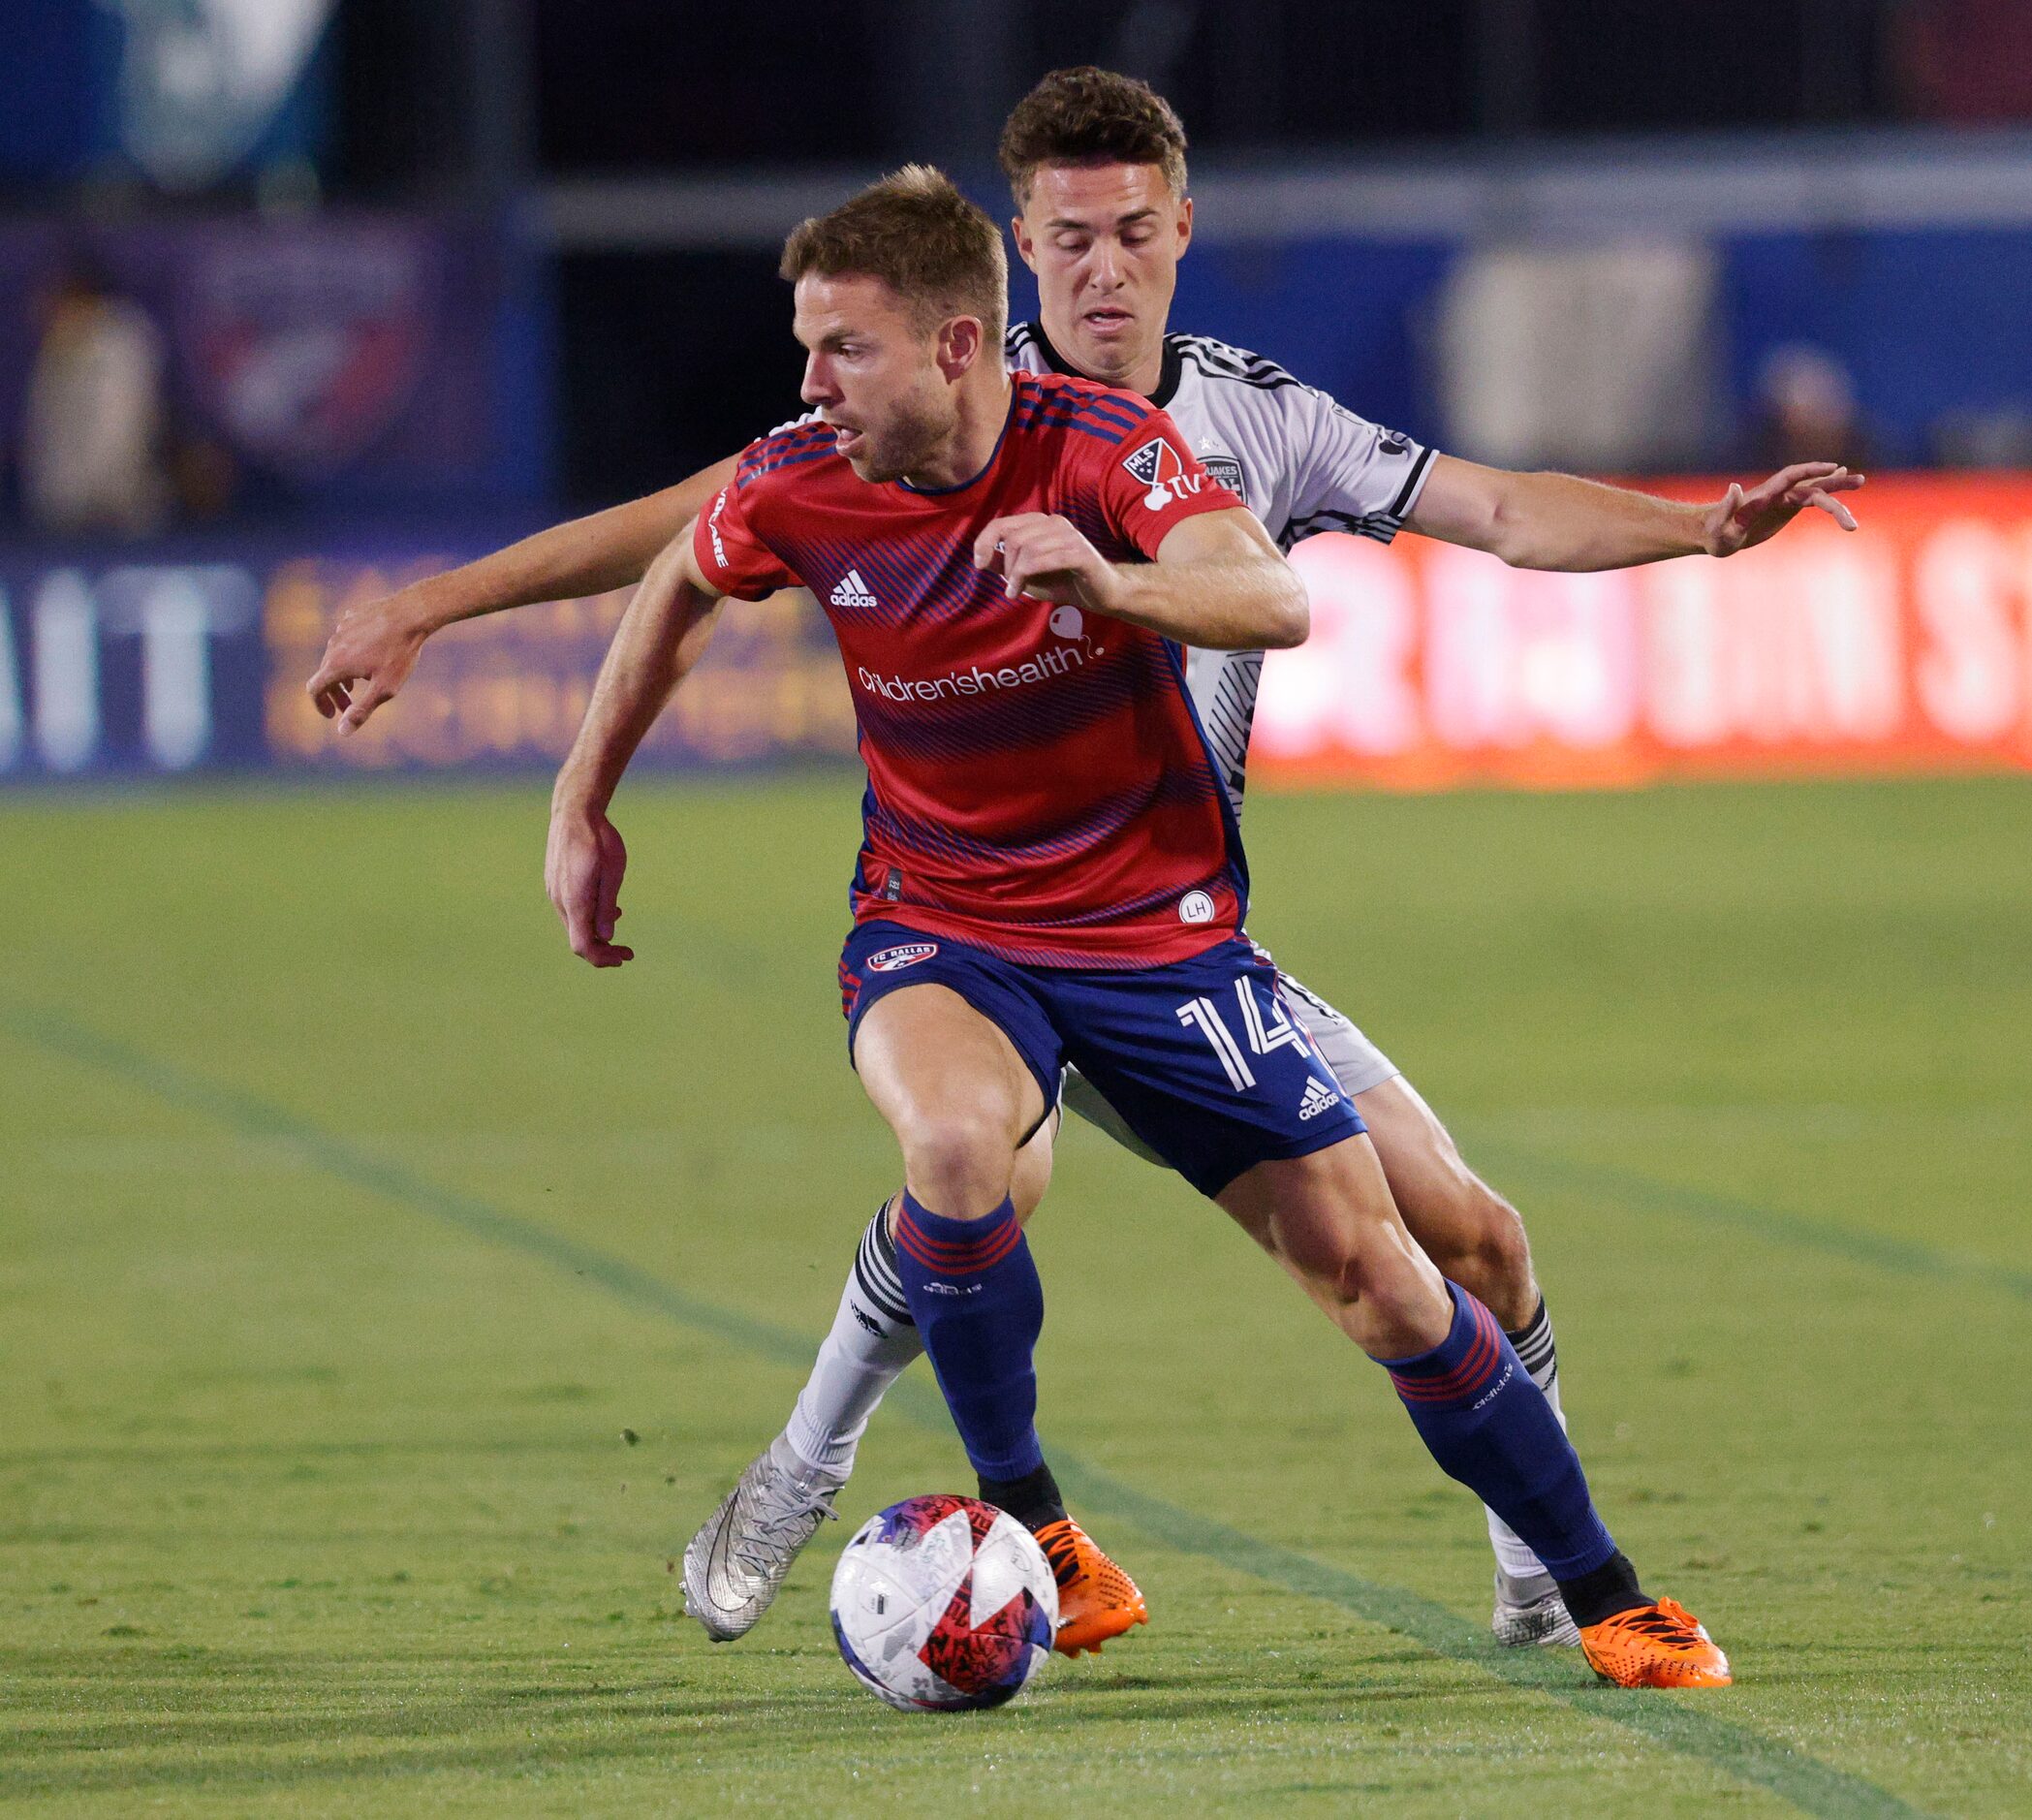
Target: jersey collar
(1166, 377)
(993, 455)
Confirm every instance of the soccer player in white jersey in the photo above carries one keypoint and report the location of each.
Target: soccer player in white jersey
(1097, 166)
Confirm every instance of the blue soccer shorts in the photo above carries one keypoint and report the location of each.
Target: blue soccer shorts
(1202, 1058)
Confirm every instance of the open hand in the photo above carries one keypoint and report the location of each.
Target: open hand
(583, 868)
(1741, 519)
(367, 658)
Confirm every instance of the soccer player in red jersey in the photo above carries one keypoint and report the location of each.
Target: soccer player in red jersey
(1096, 162)
(1050, 870)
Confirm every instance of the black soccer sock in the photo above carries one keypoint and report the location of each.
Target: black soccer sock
(1033, 1500)
(1610, 1588)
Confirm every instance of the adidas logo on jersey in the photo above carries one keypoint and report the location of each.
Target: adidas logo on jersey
(853, 591)
(1318, 1098)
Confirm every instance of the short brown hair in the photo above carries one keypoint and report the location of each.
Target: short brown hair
(1085, 115)
(922, 237)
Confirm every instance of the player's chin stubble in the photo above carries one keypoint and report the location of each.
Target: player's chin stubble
(905, 445)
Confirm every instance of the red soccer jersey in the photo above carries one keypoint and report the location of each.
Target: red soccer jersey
(1037, 782)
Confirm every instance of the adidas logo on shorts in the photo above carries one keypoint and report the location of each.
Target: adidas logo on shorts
(1317, 1099)
(853, 591)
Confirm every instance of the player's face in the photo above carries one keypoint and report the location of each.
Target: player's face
(1105, 240)
(873, 375)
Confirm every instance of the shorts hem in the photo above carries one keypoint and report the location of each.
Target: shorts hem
(864, 1004)
(1371, 1079)
(1282, 1152)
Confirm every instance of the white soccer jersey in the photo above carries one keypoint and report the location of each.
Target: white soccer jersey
(1299, 461)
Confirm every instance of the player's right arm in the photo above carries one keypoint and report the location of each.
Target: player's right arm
(1215, 581)
(376, 644)
(1210, 576)
(661, 637)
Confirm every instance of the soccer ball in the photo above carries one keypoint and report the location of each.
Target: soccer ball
(944, 1604)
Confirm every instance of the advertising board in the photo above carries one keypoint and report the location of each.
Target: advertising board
(1904, 647)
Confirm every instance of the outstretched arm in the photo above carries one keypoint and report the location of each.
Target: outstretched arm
(376, 644)
(1557, 521)
(1217, 581)
(661, 636)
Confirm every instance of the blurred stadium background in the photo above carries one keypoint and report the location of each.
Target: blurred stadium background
(351, 286)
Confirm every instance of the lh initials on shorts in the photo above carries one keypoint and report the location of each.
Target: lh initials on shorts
(1264, 1037)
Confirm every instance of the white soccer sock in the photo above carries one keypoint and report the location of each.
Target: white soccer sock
(1536, 1352)
(873, 1343)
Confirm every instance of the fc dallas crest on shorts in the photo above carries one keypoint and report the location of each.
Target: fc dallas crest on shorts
(895, 959)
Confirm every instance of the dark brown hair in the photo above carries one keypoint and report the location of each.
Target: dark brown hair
(1086, 115)
(922, 237)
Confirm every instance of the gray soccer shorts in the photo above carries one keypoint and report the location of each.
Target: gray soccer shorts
(1358, 1064)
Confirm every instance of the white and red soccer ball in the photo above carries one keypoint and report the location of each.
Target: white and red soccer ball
(944, 1604)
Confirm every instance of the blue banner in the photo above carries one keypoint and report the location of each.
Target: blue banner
(194, 656)
(346, 362)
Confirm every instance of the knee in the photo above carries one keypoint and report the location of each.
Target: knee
(957, 1160)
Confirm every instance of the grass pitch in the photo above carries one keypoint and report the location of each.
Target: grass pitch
(384, 1295)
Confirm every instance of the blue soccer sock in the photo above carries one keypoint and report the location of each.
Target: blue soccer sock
(973, 1291)
(1489, 1426)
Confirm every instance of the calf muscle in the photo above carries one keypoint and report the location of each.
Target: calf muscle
(1329, 1220)
(1462, 1224)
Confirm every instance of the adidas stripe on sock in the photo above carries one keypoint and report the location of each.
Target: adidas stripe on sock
(1535, 1349)
(875, 1275)
(872, 1344)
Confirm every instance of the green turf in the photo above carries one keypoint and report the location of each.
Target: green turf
(345, 1223)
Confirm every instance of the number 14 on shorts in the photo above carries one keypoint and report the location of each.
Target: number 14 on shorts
(1266, 1035)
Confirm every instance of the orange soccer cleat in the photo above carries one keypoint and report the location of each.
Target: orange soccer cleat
(1096, 1599)
(1655, 1646)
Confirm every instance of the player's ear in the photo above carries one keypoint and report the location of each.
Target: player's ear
(1185, 222)
(1026, 248)
(959, 343)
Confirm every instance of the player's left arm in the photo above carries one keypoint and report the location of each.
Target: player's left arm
(1216, 580)
(1558, 522)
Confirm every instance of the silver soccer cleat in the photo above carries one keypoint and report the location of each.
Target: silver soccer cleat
(1532, 1612)
(737, 1562)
